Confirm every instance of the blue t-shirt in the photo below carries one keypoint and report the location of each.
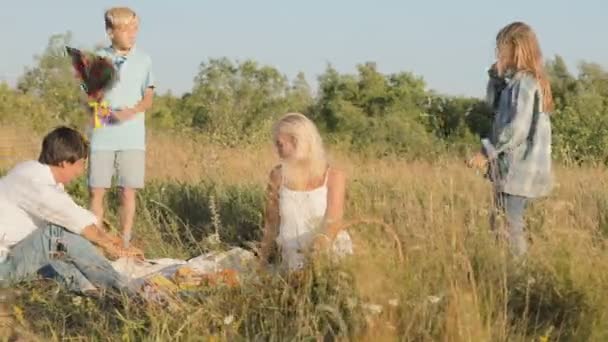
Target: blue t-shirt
(134, 77)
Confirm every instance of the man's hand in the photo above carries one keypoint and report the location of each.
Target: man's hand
(478, 161)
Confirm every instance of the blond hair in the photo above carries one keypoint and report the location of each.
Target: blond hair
(518, 49)
(117, 17)
(309, 160)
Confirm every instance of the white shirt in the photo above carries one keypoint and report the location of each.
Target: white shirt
(30, 198)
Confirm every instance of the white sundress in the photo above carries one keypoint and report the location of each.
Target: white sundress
(301, 215)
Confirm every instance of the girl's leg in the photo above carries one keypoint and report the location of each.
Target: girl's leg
(515, 207)
(495, 212)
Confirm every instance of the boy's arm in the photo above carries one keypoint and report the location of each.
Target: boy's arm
(140, 107)
(107, 242)
(51, 204)
(146, 100)
(57, 207)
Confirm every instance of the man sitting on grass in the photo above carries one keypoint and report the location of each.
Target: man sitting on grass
(46, 231)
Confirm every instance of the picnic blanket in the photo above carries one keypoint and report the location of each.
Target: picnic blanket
(210, 268)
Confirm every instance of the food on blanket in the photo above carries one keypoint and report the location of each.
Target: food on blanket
(185, 271)
(227, 277)
(161, 282)
(187, 277)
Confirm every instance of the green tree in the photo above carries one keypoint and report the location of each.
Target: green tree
(563, 83)
(236, 102)
(299, 98)
(166, 113)
(374, 112)
(52, 81)
(580, 121)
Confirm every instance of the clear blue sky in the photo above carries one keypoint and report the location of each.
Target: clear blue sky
(449, 43)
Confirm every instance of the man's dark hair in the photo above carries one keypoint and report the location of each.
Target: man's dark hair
(63, 144)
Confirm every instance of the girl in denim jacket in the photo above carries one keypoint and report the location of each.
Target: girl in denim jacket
(518, 150)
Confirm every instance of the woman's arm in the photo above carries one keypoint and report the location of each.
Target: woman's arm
(336, 190)
(271, 214)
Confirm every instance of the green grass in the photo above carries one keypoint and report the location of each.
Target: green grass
(455, 282)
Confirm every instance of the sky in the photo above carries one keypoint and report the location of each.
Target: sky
(448, 43)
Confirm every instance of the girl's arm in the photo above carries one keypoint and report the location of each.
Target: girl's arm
(271, 215)
(515, 132)
(496, 84)
(336, 190)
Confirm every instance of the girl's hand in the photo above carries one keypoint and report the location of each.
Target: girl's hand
(478, 161)
(320, 243)
(493, 71)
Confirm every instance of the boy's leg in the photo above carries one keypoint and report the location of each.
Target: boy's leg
(131, 171)
(31, 254)
(101, 170)
(37, 254)
(73, 258)
(91, 263)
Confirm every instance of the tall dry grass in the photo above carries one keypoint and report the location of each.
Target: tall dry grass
(455, 283)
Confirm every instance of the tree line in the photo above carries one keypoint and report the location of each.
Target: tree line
(235, 102)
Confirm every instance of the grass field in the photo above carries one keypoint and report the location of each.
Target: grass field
(454, 282)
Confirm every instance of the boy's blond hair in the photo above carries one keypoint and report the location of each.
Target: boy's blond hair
(117, 17)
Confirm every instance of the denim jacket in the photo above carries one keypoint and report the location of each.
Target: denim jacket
(519, 147)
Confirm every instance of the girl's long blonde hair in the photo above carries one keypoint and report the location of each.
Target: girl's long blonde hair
(517, 49)
(309, 160)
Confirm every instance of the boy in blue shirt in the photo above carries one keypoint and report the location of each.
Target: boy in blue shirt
(120, 146)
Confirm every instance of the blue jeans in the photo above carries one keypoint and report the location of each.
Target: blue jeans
(58, 253)
(513, 207)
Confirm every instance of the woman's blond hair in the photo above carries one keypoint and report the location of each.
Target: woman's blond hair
(518, 49)
(309, 159)
(117, 17)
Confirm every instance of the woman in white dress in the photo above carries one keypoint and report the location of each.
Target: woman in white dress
(305, 196)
